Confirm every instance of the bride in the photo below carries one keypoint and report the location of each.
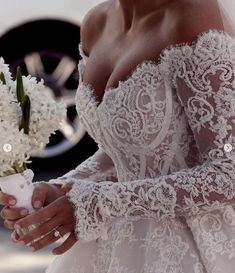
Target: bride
(156, 92)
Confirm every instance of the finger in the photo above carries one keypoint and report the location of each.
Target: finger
(67, 244)
(41, 230)
(67, 187)
(39, 196)
(13, 213)
(14, 237)
(9, 224)
(61, 206)
(36, 218)
(50, 238)
(6, 199)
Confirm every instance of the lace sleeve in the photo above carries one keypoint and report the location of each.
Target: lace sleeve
(204, 79)
(98, 167)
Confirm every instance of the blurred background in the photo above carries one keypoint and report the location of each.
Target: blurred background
(42, 38)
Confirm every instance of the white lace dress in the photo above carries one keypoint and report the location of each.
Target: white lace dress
(158, 195)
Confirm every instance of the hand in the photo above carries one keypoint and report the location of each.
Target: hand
(44, 194)
(7, 214)
(58, 215)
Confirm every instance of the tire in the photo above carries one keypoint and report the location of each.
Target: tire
(48, 49)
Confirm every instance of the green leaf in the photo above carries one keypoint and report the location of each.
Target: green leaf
(26, 107)
(19, 86)
(2, 78)
(24, 166)
(24, 101)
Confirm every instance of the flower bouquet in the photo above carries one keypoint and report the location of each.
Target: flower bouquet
(28, 116)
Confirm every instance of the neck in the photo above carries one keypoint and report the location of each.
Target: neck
(135, 9)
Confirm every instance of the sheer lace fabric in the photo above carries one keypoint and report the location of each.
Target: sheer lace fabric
(98, 167)
(169, 130)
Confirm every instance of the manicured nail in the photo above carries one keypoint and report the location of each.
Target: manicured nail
(37, 204)
(13, 238)
(31, 248)
(12, 202)
(21, 243)
(24, 212)
(16, 227)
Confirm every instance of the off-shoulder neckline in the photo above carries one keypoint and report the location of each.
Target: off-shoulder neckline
(156, 63)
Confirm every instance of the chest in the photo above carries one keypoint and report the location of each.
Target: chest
(140, 111)
(110, 63)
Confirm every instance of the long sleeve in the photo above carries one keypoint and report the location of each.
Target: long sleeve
(98, 167)
(204, 79)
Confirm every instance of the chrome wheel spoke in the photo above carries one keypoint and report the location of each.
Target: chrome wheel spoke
(67, 130)
(34, 64)
(68, 96)
(64, 70)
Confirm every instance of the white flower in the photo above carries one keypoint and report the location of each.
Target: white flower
(45, 118)
(20, 148)
(46, 114)
(9, 107)
(4, 68)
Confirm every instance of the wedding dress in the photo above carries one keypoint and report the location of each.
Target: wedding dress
(157, 196)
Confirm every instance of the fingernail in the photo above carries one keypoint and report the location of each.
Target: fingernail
(37, 204)
(21, 243)
(12, 202)
(16, 227)
(24, 212)
(13, 238)
(31, 248)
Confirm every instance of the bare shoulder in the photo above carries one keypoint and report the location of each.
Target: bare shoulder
(93, 25)
(198, 16)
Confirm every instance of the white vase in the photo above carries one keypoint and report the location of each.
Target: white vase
(20, 186)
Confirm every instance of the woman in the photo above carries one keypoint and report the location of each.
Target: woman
(156, 93)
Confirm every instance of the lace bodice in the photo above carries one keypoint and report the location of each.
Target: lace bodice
(168, 130)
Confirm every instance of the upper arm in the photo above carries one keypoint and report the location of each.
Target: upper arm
(197, 17)
(205, 86)
(92, 26)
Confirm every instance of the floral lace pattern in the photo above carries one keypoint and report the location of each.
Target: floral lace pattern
(169, 130)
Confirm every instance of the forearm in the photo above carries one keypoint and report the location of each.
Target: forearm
(187, 192)
(98, 168)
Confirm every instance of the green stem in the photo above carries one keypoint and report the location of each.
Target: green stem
(2, 78)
